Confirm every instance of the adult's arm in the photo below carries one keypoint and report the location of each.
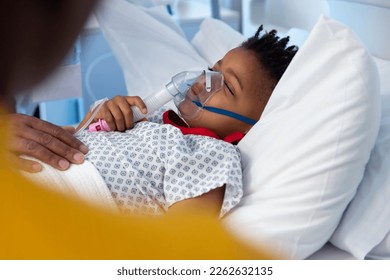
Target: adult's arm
(42, 140)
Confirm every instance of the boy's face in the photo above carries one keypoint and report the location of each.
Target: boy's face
(245, 81)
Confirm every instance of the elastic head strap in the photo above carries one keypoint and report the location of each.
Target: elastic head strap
(226, 113)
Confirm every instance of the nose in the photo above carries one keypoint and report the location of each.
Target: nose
(197, 88)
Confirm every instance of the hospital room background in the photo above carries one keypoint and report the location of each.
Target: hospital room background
(91, 71)
(94, 70)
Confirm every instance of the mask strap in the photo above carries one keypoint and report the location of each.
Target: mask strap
(226, 113)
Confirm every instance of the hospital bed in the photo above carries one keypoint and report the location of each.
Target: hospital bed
(316, 166)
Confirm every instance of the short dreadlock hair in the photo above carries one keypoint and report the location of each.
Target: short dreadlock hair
(271, 51)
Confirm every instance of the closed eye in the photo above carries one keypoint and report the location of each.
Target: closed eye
(228, 87)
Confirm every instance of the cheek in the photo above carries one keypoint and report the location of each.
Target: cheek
(205, 119)
(199, 120)
(255, 110)
(221, 125)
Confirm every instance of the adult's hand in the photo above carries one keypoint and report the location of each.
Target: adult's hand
(42, 140)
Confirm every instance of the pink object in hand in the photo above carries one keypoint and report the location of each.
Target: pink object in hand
(100, 125)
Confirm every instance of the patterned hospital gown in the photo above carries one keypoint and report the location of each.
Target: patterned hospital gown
(153, 165)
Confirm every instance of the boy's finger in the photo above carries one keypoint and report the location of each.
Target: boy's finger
(137, 101)
(108, 117)
(117, 115)
(127, 114)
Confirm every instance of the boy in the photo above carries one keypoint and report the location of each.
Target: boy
(167, 162)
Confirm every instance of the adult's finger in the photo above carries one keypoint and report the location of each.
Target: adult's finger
(48, 154)
(44, 141)
(25, 164)
(69, 129)
(57, 132)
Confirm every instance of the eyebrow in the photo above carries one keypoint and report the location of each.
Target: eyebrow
(231, 72)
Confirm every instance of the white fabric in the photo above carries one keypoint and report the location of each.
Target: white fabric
(81, 181)
(330, 252)
(147, 43)
(151, 3)
(384, 74)
(382, 250)
(305, 158)
(367, 219)
(152, 166)
(214, 39)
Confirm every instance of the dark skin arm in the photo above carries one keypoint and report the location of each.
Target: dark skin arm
(47, 142)
(208, 203)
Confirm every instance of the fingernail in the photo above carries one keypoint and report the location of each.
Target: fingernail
(79, 157)
(63, 164)
(144, 111)
(36, 167)
(84, 149)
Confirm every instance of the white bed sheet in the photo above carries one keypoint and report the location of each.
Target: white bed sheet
(330, 252)
(82, 182)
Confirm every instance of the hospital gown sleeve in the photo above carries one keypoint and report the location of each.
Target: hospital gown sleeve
(198, 164)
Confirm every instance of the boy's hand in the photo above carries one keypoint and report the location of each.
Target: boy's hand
(117, 112)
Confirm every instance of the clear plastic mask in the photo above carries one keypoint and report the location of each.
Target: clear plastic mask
(197, 91)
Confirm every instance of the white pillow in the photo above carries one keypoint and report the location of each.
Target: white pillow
(384, 74)
(214, 39)
(303, 161)
(366, 223)
(147, 43)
